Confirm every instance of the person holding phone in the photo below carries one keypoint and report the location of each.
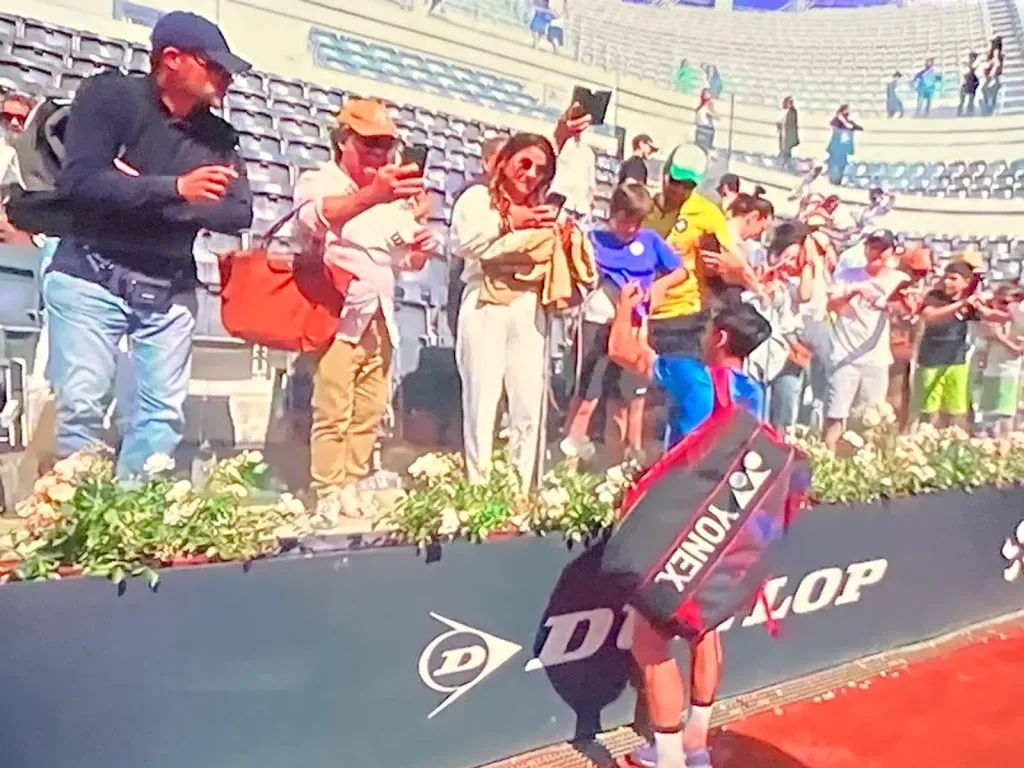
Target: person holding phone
(576, 178)
(858, 301)
(362, 211)
(500, 347)
(147, 165)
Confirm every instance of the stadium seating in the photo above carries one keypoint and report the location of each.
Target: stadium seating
(820, 57)
(283, 129)
(953, 178)
(379, 61)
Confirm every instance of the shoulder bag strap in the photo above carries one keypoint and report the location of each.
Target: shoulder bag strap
(263, 240)
(721, 381)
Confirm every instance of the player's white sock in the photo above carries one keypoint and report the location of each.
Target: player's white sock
(669, 746)
(697, 725)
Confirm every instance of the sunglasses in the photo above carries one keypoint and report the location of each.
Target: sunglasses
(377, 143)
(525, 164)
(210, 66)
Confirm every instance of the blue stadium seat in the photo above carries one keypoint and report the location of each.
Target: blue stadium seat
(138, 59)
(290, 107)
(39, 54)
(270, 177)
(10, 26)
(96, 48)
(249, 82)
(295, 127)
(259, 146)
(22, 75)
(304, 154)
(328, 98)
(247, 100)
(257, 121)
(48, 35)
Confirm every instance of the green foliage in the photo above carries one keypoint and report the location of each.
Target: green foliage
(80, 517)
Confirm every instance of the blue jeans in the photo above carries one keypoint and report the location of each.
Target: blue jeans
(784, 395)
(86, 324)
(815, 335)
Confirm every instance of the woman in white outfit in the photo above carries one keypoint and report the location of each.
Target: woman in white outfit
(501, 346)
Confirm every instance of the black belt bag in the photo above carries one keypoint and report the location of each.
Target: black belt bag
(139, 291)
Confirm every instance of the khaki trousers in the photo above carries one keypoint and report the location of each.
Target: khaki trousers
(351, 386)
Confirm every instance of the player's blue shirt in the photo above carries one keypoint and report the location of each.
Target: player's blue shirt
(691, 393)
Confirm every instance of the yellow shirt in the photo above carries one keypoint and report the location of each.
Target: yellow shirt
(683, 230)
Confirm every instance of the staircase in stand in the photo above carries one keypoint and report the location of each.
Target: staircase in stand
(1006, 21)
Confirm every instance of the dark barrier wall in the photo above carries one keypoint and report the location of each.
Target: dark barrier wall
(380, 658)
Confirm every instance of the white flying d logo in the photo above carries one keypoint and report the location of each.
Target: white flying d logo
(479, 655)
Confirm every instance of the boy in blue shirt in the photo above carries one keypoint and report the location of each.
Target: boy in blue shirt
(735, 332)
(625, 254)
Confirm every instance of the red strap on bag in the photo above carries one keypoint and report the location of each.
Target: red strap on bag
(721, 383)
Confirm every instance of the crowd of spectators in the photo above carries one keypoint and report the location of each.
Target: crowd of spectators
(855, 318)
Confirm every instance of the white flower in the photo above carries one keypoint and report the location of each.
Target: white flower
(175, 514)
(251, 457)
(157, 464)
(554, 497)
(450, 523)
(887, 412)
(522, 522)
(66, 469)
(179, 490)
(616, 476)
(42, 509)
(871, 418)
(924, 474)
(554, 513)
(44, 484)
(430, 466)
(289, 505)
(61, 492)
(854, 439)
(988, 448)
(237, 490)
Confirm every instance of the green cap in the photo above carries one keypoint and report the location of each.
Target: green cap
(687, 162)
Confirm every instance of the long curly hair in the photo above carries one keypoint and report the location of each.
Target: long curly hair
(519, 141)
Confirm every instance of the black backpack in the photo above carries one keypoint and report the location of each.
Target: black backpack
(31, 199)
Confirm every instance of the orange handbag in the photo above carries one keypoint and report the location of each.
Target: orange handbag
(288, 299)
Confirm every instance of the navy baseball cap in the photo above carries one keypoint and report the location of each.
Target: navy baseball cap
(194, 34)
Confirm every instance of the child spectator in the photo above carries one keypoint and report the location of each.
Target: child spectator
(1001, 374)
(943, 374)
(624, 253)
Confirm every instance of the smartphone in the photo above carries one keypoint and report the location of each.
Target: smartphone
(555, 199)
(416, 154)
(709, 243)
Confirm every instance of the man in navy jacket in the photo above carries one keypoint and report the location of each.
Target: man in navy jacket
(147, 166)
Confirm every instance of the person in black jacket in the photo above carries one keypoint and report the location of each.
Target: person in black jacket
(634, 168)
(147, 166)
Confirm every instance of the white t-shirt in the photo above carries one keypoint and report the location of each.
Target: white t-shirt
(999, 359)
(860, 330)
(576, 176)
(369, 246)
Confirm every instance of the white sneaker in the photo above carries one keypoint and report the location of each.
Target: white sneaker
(327, 513)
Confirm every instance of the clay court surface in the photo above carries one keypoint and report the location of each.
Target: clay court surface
(957, 702)
(962, 709)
